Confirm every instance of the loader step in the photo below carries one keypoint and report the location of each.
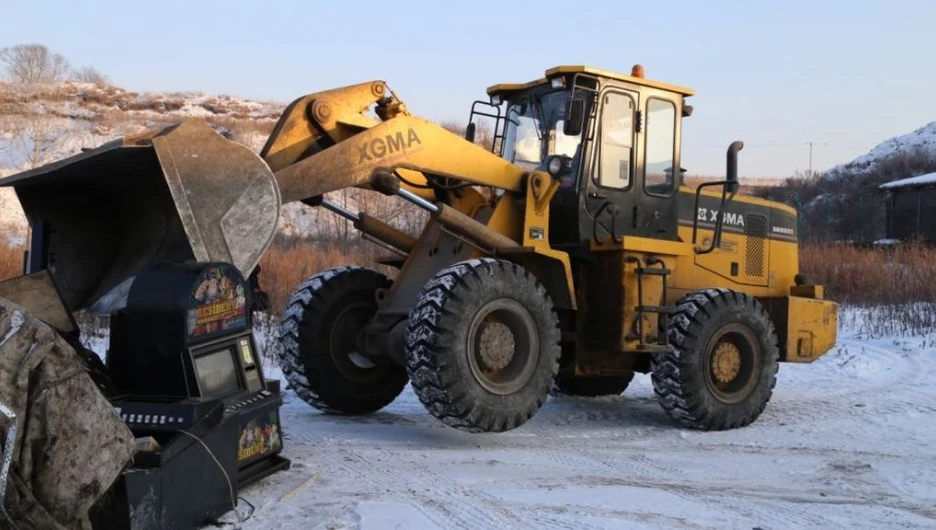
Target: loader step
(654, 348)
(650, 271)
(655, 309)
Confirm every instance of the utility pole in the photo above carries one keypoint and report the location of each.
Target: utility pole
(810, 157)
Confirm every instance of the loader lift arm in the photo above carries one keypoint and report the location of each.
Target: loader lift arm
(328, 141)
(325, 142)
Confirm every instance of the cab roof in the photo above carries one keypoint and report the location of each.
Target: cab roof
(561, 70)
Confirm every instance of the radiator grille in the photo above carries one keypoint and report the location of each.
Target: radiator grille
(755, 228)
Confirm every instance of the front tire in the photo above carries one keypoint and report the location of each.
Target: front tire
(721, 368)
(318, 339)
(483, 346)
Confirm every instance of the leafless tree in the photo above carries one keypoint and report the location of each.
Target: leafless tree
(90, 74)
(32, 139)
(29, 137)
(483, 135)
(32, 63)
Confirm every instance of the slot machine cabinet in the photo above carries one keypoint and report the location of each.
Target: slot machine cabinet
(189, 375)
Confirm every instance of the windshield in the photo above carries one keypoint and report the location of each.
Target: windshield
(534, 131)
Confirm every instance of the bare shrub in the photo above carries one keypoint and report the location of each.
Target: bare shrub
(90, 74)
(291, 261)
(873, 275)
(32, 63)
(484, 135)
(32, 138)
(893, 287)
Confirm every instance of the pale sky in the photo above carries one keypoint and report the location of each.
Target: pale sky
(845, 75)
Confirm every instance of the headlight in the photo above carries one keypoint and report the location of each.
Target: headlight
(496, 100)
(555, 165)
(557, 82)
(558, 166)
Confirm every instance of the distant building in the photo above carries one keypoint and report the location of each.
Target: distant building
(911, 208)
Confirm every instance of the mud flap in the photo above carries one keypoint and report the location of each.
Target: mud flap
(178, 194)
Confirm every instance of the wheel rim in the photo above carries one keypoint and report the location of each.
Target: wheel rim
(731, 363)
(503, 346)
(344, 347)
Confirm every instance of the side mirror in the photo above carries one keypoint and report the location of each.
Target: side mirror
(574, 117)
(470, 132)
(731, 175)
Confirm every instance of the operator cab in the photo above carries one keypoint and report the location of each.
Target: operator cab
(614, 142)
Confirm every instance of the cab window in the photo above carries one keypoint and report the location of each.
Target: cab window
(660, 146)
(615, 148)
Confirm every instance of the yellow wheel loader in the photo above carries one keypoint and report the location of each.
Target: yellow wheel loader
(565, 257)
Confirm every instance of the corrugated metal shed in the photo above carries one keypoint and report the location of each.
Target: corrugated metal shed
(911, 208)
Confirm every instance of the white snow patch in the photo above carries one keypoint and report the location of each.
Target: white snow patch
(387, 515)
(845, 442)
(921, 180)
(923, 138)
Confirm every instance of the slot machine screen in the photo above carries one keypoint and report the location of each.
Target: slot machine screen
(217, 374)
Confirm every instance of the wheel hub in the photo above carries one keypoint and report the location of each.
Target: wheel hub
(345, 348)
(726, 362)
(503, 346)
(497, 346)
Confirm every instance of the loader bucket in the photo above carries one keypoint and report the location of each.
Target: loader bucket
(178, 194)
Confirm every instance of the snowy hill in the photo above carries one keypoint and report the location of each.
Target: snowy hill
(922, 140)
(847, 202)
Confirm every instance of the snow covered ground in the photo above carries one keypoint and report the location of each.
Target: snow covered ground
(846, 442)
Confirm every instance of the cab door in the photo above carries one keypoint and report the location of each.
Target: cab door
(609, 198)
(655, 213)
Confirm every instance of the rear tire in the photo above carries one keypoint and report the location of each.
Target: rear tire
(318, 339)
(722, 367)
(483, 346)
(592, 385)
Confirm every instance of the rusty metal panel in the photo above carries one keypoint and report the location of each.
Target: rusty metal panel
(37, 294)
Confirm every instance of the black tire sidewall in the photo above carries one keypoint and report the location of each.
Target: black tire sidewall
(678, 375)
(316, 348)
(309, 364)
(438, 351)
(540, 382)
(761, 330)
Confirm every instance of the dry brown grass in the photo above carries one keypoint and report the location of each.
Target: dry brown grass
(289, 263)
(894, 288)
(873, 276)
